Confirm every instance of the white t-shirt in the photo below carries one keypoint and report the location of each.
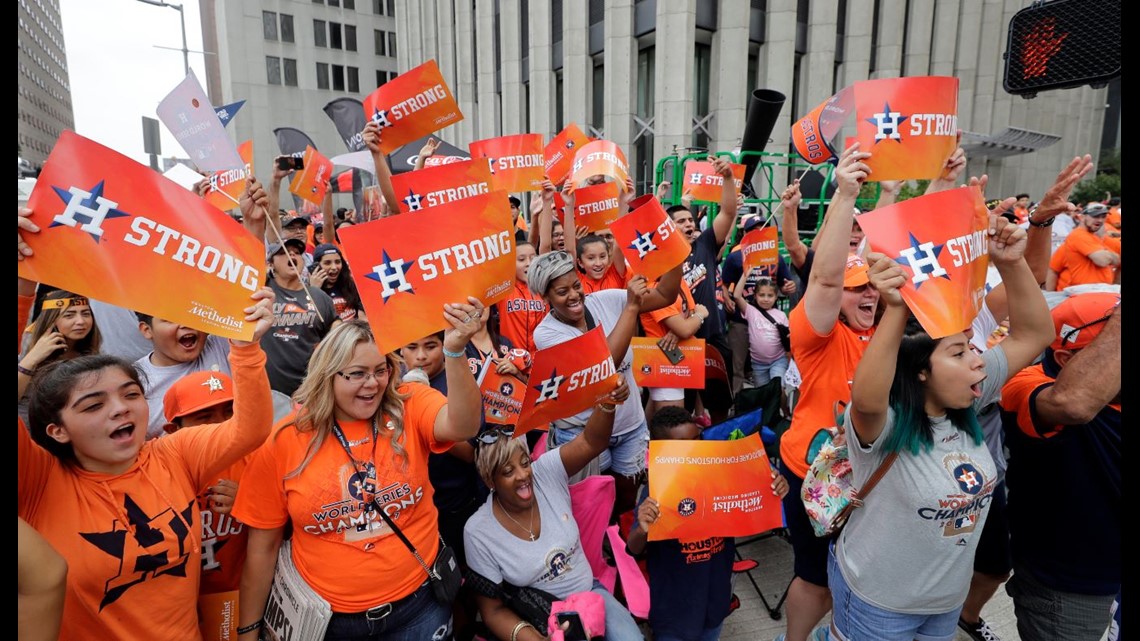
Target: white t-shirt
(606, 307)
(214, 357)
(910, 548)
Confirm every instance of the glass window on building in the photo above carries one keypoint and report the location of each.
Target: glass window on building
(338, 77)
(286, 28)
(334, 3)
(380, 42)
(378, 7)
(322, 75)
(320, 33)
(269, 24)
(290, 67)
(702, 61)
(273, 70)
(391, 41)
(349, 4)
(643, 142)
(598, 94)
(353, 79)
(381, 77)
(392, 8)
(349, 38)
(335, 41)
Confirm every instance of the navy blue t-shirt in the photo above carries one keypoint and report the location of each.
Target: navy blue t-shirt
(700, 274)
(456, 482)
(733, 267)
(690, 583)
(1065, 501)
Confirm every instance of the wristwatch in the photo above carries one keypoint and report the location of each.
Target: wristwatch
(1047, 223)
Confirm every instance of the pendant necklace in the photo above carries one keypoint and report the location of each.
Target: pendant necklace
(529, 530)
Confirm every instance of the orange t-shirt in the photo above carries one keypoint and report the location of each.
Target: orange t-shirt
(1057, 264)
(133, 541)
(1113, 218)
(348, 555)
(1018, 394)
(827, 366)
(519, 313)
(611, 279)
(651, 321)
(1078, 246)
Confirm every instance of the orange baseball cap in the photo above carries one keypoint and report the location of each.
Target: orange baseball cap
(855, 274)
(196, 391)
(1079, 319)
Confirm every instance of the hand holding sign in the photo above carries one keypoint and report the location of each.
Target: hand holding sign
(24, 225)
(1007, 240)
(887, 277)
(852, 171)
(465, 321)
(260, 313)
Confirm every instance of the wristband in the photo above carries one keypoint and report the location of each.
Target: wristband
(256, 625)
(518, 628)
(453, 354)
(23, 370)
(1047, 223)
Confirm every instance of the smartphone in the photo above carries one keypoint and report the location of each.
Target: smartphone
(285, 163)
(575, 631)
(675, 355)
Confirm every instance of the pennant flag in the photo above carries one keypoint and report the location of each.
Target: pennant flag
(650, 241)
(712, 488)
(444, 184)
(596, 207)
(187, 113)
(760, 248)
(311, 182)
(559, 152)
(566, 379)
(415, 103)
(407, 267)
(941, 239)
(600, 157)
(404, 158)
(115, 230)
(502, 395)
(225, 187)
(226, 113)
(347, 115)
(703, 183)
(715, 369)
(910, 125)
(293, 142)
(651, 368)
(516, 161)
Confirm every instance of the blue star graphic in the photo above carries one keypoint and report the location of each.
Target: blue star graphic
(885, 114)
(553, 376)
(637, 241)
(389, 268)
(91, 203)
(924, 268)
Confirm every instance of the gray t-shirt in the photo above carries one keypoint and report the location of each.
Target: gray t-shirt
(297, 328)
(214, 357)
(555, 561)
(910, 548)
(989, 417)
(606, 307)
(119, 328)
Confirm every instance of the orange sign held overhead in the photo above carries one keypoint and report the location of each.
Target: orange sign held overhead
(516, 162)
(566, 379)
(560, 151)
(703, 183)
(120, 232)
(225, 187)
(596, 207)
(712, 488)
(406, 275)
(411, 105)
(600, 157)
(311, 183)
(502, 395)
(942, 240)
(649, 240)
(760, 248)
(651, 368)
(442, 184)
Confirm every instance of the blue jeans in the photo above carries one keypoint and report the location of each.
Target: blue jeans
(858, 620)
(711, 634)
(619, 622)
(764, 372)
(416, 617)
(625, 455)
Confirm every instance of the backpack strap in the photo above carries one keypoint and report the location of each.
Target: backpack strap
(857, 496)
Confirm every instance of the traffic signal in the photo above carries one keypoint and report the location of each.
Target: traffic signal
(1062, 44)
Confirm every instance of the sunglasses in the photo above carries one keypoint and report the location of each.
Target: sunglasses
(1072, 334)
(491, 435)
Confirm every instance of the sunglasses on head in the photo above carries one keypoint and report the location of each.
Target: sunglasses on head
(493, 434)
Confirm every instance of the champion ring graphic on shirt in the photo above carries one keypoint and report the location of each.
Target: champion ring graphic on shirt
(969, 479)
(143, 547)
(687, 507)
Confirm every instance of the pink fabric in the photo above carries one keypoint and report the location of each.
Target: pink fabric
(592, 500)
(590, 608)
(763, 338)
(539, 447)
(633, 583)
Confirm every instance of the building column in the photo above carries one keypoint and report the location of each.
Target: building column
(577, 66)
(729, 92)
(857, 42)
(445, 56)
(944, 38)
(542, 108)
(488, 120)
(466, 87)
(919, 40)
(510, 30)
(676, 50)
(414, 38)
(888, 61)
(819, 62)
(778, 63)
(620, 74)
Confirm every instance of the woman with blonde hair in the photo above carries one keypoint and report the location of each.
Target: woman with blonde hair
(360, 441)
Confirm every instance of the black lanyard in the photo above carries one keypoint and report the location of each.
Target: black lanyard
(368, 505)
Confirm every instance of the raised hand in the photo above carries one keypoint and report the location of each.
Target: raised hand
(261, 313)
(851, 172)
(1056, 198)
(790, 197)
(1007, 240)
(465, 320)
(429, 148)
(24, 225)
(254, 201)
(887, 276)
(371, 137)
(636, 290)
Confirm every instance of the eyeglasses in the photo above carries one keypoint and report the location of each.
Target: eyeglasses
(1073, 333)
(492, 435)
(359, 376)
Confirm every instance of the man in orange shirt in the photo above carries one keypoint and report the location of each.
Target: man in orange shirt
(1085, 257)
(1021, 208)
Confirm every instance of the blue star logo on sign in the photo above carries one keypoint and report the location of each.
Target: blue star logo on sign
(392, 275)
(887, 124)
(922, 258)
(86, 210)
(642, 243)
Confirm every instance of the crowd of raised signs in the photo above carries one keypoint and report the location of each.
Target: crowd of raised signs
(163, 470)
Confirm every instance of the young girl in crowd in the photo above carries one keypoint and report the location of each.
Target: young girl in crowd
(916, 398)
(361, 441)
(522, 310)
(769, 360)
(330, 272)
(600, 269)
(64, 330)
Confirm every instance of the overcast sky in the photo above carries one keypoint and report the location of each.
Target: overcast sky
(117, 74)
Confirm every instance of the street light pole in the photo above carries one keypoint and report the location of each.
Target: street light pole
(182, 18)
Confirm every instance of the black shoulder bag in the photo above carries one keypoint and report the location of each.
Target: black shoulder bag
(783, 330)
(444, 574)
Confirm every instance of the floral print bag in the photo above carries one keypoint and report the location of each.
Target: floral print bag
(828, 491)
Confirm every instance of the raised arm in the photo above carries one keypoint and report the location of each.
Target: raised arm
(595, 437)
(664, 294)
(274, 201)
(459, 419)
(726, 214)
(619, 338)
(254, 204)
(871, 387)
(371, 135)
(790, 225)
(261, 551)
(1030, 326)
(328, 228)
(824, 294)
(41, 585)
(951, 171)
(1089, 380)
(427, 151)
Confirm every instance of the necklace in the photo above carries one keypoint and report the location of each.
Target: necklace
(529, 530)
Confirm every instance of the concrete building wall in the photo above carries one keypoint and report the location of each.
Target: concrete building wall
(44, 100)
